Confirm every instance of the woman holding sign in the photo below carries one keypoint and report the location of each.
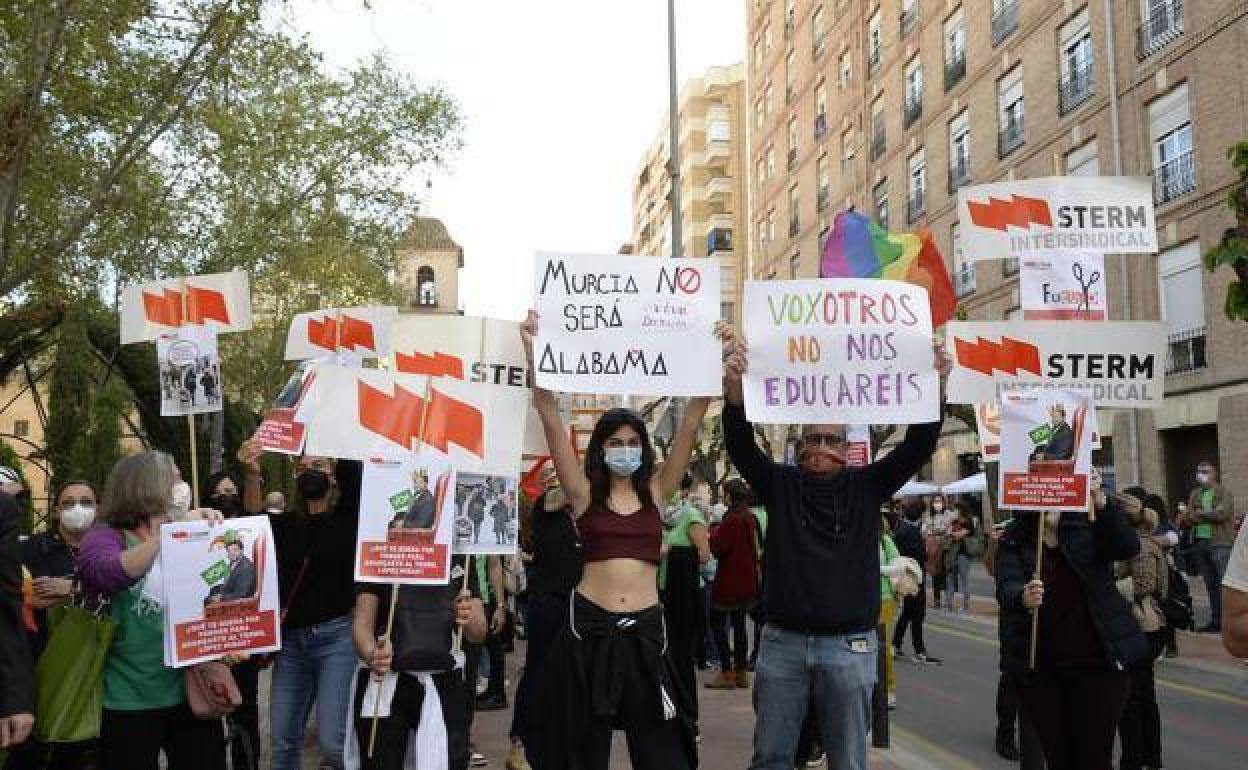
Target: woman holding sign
(617, 668)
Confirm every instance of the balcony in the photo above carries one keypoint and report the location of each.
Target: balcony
(1163, 26)
(878, 144)
(1004, 21)
(1075, 88)
(717, 152)
(1174, 178)
(873, 62)
(822, 198)
(959, 174)
(821, 126)
(911, 111)
(795, 226)
(717, 240)
(791, 159)
(916, 205)
(1186, 351)
(1010, 138)
(964, 280)
(955, 70)
(909, 18)
(718, 189)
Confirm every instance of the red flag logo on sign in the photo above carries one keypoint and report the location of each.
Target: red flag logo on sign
(201, 305)
(1019, 211)
(1009, 355)
(398, 418)
(332, 333)
(436, 365)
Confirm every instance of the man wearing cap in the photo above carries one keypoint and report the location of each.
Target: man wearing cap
(17, 685)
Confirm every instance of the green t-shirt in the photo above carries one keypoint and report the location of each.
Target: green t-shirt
(1204, 530)
(678, 536)
(135, 675)
(888, 552)
(760, 513)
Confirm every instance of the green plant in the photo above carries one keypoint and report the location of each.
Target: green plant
(1232, 251)
(11, 459)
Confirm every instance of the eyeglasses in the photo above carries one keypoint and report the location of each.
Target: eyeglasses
(824, 439)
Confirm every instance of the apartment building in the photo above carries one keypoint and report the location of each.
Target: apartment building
(712, 180)
(892, 105)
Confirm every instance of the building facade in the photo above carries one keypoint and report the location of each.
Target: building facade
(427, 268)
(867, 102)
(712, 181)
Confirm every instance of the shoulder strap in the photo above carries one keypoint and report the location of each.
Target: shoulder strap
(294, 590)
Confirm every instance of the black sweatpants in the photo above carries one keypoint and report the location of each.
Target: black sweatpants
(498, 660)
(1140, 728)
(405, 709)
(1076, 715)
(913, 611)
(734, 657)
(133, 740)
(247, 715)
(542, 618)
(1009, 714)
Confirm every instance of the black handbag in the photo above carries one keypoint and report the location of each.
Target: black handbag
(424, 623)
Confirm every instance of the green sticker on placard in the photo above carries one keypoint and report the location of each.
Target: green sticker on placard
(1203, 531)
(216, 573)
(401, 501)
(1041, 434)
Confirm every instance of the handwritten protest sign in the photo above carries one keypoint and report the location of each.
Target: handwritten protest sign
(1046, 448)
(345, 335)
(190, 371)
(220, 586)
(842, 350)
(407, 514)
(219, 301)
(627, 325)
(1063, 286)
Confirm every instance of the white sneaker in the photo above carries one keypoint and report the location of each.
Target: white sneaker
(892, 700)
(477, 759)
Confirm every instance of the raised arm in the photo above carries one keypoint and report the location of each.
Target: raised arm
(677, 462)
(253, 483)
(754, 466)
(567, 467)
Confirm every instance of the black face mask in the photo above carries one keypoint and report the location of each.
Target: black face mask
(228, 504)
(914, 515)
(22, 496)
(312, 484)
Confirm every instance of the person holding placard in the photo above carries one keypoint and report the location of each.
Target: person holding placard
(822, 587)
(616, 668)
(1075, 691)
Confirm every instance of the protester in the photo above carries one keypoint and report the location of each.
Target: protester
(495, 696)
(554, 571)
(17, 681)
(1177, 592)
(888, 555)
(145, 707)
(822, 577)
(686, 551)
(1087, 637)
(757, 615)
(417, 667)
(274, 503)
(910, 542)
(1141, 580)
(1234, 599)
(935, 526)
(615, 669)
(315, 549)
(735, 589)
(963, 544)
(485, 582)
(1210, 517)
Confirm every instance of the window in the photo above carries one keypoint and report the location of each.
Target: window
(769, 98)
(822, 183)
(963, 269)
(720, 131)
(426, 288)
(879, 138)
(879, 196)
(875, 43)
(1010, 112)
(1075, 61)
(794, 219)
(1183, 306)
(1014, 312)
(790, 70)
(771, 161)
(914, 92)
(759, 114)
(821, 110)
(1009, 266)
(756, 54)
(21, 428)
(847, 144)
(818, 34)
(771, 225)
(1174, 165)
(767, 42)
(795, 263)
(762, 234)
(916, 203)
(846, 71)
(760, 173)
(955, 49)
(959, 151)
(909, 16)
(1161, 22)
(1004, 19)
(792, 158)
(1082, 160)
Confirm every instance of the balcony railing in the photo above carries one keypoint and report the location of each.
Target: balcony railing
(718, 239)
(909, 19)
(964, 279)
(1174, 178)
(1163, 26)
(822, 197)
(878, 144)
(1010, 138)
(1076, 88)
(959, 174)
(1186, 351)
(795, 226)
(791, 159)
(911, 111)
(916, 205)
(821, 125)
(955, 70)
(1004, 21)
(873, 62)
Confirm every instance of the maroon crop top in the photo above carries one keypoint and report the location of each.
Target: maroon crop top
(606, 534)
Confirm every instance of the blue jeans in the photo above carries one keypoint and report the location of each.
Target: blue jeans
(836, 672)
(316, 665)
(959, 576)
(1211, 561)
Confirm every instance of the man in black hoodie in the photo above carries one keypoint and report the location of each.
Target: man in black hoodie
(822, 577)
(17, 685)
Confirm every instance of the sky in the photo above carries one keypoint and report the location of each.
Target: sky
(560, 98)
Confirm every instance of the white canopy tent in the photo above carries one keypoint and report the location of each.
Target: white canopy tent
(967, 486)
(914, 488)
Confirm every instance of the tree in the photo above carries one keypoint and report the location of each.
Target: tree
(1232, 251)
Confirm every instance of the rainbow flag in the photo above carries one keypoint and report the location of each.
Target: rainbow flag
(859, 248)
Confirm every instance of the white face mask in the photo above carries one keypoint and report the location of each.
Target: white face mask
(938, 507)
(181, 501)
(78, 517)
(1202, 478)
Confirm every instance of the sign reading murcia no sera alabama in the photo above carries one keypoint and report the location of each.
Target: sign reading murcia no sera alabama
(1029, 217)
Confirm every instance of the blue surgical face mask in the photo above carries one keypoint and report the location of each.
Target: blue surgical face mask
(622, 460)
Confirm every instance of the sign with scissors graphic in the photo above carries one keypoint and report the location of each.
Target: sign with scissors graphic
(1063, 286)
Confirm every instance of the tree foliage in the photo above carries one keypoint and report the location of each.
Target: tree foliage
(1232, 250)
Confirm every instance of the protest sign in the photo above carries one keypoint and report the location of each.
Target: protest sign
(1046, 449)
(1119, 363)
(486, 514)
(283, 428)
(407, 513)
(624, 325)
(858, 448)
(1059, 286)
(220, 301)
(345, 335)
(220, 585)
(365, 413)
(988, 425)
(190, 371)
(844, 350)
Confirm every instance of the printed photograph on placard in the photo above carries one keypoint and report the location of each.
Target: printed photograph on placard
(220, 587)
(281, 430)
(190, 371)
(407, 513)
(1046, 448)
(486, 514)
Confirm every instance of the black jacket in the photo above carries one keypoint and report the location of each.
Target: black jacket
(910, 542)
(17, 670)
(1090, 548)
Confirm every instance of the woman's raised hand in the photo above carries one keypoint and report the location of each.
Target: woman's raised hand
(528, 330)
